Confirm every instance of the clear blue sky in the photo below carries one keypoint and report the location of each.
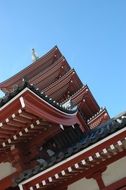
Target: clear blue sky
(90, 33)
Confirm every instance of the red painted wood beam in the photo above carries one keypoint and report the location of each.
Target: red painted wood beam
(99, 168)
(7, 181)
(71, 162)
(28, 70)
(42, 109)
(118, 185)
(98, 177)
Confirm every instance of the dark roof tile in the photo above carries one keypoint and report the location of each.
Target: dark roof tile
(85, 141)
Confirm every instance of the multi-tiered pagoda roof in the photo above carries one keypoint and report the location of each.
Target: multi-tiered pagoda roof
(52, 129)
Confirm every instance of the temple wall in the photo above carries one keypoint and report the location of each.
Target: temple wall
(84, 184)
(6, 169)
(114, 172)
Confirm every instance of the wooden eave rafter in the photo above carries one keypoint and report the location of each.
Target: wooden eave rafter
(79, 95)
(81, 164)
(82, 98)
(28, 104)
(27, 132)
(47, 135)
(91, 102)
(54, 85)
(99, 118)
(5, 131)
(34, 104)
(54, 52)
(52, 71)
(65, 80)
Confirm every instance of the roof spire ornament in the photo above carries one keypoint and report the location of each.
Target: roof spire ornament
(35, 56)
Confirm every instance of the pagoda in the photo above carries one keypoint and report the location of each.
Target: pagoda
(53, 133)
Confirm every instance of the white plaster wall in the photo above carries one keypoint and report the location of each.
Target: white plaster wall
(115, 171)
(84, 184)
(6, 169)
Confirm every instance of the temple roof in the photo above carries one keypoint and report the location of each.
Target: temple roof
(51, 75)
(33, 69)
(45, 104)
(41, 94)
(89, 139)
(27, 104)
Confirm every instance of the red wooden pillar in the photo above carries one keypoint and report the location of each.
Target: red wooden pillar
(98, 178)
(84, 127)
(17, 160)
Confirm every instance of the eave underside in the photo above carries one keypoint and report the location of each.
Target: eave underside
(44, 62)
(85, 163)
(52, 75)
(28, 116)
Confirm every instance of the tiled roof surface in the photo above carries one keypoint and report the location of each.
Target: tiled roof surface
(86, 140)
(25, 84)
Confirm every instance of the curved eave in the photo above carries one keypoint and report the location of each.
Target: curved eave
(99, 114)
(43, 109)
(62, 82)
(99, 118)
(50, 75)
(80, 95)
(12, 80)
(49, 71)
(88, 156)
(31, 102)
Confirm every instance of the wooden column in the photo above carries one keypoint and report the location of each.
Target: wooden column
(18, 159)
(120, 184)
(98, 178)
(82, 124)
(7, 182)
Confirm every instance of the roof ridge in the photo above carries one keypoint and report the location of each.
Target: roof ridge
(42, 95)
(20, 73)
(59, 80)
